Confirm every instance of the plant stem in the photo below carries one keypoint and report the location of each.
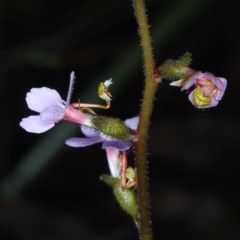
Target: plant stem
(152, 80)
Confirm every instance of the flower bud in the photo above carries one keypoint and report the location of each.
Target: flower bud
(126, 197)
(177, 69)
(127, 200)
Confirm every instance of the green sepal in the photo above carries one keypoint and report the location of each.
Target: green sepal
(176, 69)
(112, 127)
(185, 60)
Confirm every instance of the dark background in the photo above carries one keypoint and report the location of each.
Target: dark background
(50, 191)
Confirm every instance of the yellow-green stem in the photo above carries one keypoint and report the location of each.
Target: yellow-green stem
(151, 82)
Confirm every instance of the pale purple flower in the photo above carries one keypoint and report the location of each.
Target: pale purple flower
(207, 91)
(51, 108)
(94, 136)
(114, 147)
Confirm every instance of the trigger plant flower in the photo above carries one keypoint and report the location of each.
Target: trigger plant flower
(207, 91)
(93, 136)
(115, 148)
(51, 109)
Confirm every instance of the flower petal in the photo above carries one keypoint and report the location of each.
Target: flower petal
(117, 144)
(41, 98)
(221, 84)
(70, 88)
(89, 132)
(82, 142)
(190, 81)
(33, 124)
(132, 122)
(52, 114)
(113, 162)
(213, 103)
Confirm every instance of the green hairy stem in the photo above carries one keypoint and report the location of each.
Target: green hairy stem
(151, 83)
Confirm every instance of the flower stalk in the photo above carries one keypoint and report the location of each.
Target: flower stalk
(152, 79)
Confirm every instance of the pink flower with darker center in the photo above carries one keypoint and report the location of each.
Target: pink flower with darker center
(207, 91)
